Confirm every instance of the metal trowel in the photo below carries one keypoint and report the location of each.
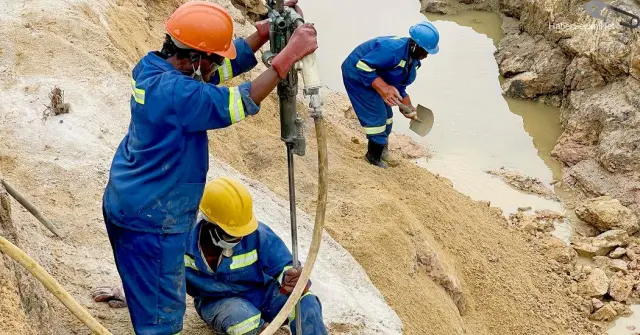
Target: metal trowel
(423, 125)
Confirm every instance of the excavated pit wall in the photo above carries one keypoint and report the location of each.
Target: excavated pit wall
(554, 52)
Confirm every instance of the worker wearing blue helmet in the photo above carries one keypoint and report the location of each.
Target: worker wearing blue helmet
(376, 75)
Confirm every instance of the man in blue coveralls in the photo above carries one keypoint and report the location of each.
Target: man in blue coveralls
(239, 272)
(158, 172)
(376, 75)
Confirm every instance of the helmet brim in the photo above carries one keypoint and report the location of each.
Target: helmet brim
(433, 51)
(229, 53)
(244, 230)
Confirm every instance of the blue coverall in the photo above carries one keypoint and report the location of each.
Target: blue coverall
(386, 57)
(244, 291)
(157, 178)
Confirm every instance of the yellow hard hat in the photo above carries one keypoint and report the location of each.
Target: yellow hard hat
(227, 203)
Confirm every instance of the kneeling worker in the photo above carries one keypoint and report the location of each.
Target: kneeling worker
(238, 271)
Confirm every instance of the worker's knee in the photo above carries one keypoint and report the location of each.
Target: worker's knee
(312, 320)
(233, 316)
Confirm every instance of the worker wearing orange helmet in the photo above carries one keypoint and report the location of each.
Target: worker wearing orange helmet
(158, 172)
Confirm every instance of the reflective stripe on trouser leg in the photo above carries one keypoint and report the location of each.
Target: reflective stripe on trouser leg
(235, 316)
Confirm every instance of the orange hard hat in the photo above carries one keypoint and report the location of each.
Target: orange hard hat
(202, 26)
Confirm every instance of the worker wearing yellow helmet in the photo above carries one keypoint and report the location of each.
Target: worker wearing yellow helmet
(240, 272)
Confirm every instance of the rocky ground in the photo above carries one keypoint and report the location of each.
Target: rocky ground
(605, 287)
(554, 52)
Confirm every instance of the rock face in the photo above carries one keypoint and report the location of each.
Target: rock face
(533, 67)
(607, 213)
(554, 52)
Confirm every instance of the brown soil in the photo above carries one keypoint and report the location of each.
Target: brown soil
(387, 219)
(406, 212)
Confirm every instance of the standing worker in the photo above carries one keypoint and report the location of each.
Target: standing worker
(240, 272)
(158, 172)
(376, 75)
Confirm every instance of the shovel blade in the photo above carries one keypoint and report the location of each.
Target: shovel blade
(426, 116)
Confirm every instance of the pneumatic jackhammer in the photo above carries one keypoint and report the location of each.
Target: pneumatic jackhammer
(283, 21)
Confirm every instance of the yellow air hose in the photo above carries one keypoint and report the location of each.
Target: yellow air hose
(52, 285)
(312, 86)
(317, 232)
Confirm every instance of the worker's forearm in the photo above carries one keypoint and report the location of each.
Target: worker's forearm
(255, 42)
(263, 85)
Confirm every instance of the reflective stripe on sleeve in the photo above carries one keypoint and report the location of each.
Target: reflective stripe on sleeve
(236, 108)
(364, 67)
(137, 93)
(225, 71)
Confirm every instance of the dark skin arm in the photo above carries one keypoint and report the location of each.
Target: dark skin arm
(254, 41)
(263, 85)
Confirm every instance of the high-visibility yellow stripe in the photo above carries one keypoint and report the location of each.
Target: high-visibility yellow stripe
(190, 262)
(292, 315)
(236, 108)
(245, 326)
(375, 130)
(282, 273)
(364, 67)
(396, 38)
(225, 71)
(390, 120)
(137, 93)
(402, 63)
(243, 260)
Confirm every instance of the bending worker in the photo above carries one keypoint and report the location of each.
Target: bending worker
(158, 172)
(376, 75)
(238, 270)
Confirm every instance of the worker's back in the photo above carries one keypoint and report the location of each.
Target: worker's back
(386, 57)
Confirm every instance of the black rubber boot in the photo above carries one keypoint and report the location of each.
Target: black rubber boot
(374, 155)
(385, 152)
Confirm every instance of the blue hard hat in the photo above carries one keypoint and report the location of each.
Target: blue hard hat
(426, 36)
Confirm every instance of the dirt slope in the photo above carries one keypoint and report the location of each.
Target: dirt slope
(446, 264)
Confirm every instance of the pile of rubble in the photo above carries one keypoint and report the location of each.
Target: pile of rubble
(606, 287)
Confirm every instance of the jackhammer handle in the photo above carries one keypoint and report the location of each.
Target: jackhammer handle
(310, 73)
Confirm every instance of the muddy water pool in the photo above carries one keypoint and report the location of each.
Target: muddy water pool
(476, 128)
